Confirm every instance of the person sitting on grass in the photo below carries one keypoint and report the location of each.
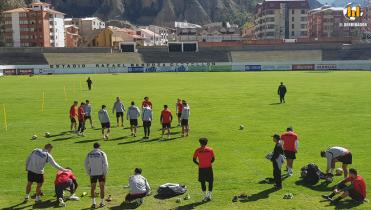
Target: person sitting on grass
(139, 187)
(65, 180)
(356, 190)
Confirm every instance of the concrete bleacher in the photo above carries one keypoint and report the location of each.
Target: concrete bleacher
(20, 58)
(346, 54)
(276, 55)
(93, 58)
(204, 55)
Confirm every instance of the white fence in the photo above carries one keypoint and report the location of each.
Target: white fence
(184, 67)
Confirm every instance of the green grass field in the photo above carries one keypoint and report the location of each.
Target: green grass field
(325, 109)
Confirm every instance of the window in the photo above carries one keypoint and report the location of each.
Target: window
(270, 12)
(292, 33)
(303, 33)
(270, 19)
(270, 26)
(293, 19)
(269, 34)
(303, 11)
(303, 19)
(292, 11)
(303, 26)
(292, 26)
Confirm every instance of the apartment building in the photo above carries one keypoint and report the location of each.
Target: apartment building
(281, 19)
(35, 26)
(327, 23)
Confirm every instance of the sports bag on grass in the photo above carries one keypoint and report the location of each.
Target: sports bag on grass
(171, 190)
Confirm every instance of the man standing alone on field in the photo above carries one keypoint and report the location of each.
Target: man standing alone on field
(132, 115)
(74, 116)
(206, 157)
(105, 121)
(35, 168)
(290, 148)
(119, 107)
(282, 92)
(89, 83)
(96, 166)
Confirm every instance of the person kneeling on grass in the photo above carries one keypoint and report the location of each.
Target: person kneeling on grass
(139, 187)
(65, 180)
(356, 190)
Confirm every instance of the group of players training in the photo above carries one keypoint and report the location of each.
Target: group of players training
(81, 114)
(96, 162)
(286, 147)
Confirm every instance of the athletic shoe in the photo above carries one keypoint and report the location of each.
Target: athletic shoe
(206, 199)
(26, 198)
(93, 206)
(61, 203)
(37, 199)
(109, 199)
(327, 197)
(134, 135)
(74, 198)
(101, 205)
(235, 199)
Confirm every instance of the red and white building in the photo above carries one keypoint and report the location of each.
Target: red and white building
(326, 23)
(35, 26)
(72, 37)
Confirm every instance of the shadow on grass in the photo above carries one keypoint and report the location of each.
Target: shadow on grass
(130, 142)
(59, 134)
(64, 138)
(45, 204)
(260, 195)
(18, 206)
(345, 204)
(119, 138)
(275, 104)
(322, 187)
(189, 206)
(150, 140)
(86, 141)
(125, 205)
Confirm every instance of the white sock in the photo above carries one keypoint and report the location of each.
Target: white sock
(37, 197)
(27, 195)
(102, 200)
(94, 202)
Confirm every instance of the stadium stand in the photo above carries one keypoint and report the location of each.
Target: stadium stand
(19, 58)
(276, 55)
(346, 54)
(93, 58)
(204, 55)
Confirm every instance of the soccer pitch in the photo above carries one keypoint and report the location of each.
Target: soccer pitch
(325, 109)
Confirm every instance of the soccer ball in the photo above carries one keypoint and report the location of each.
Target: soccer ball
(242, 127)
(339, 172)
(47, 134)
(34, 137)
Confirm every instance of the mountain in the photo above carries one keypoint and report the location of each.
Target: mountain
(343, 3)
(163, 12)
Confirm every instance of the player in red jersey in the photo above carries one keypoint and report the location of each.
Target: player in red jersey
(146, 103)
(81, 117)
(73, 116)
(179, 109)
(206, 157)
(65, 180)
(356, 190)
(166, 119)
(290, 147)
